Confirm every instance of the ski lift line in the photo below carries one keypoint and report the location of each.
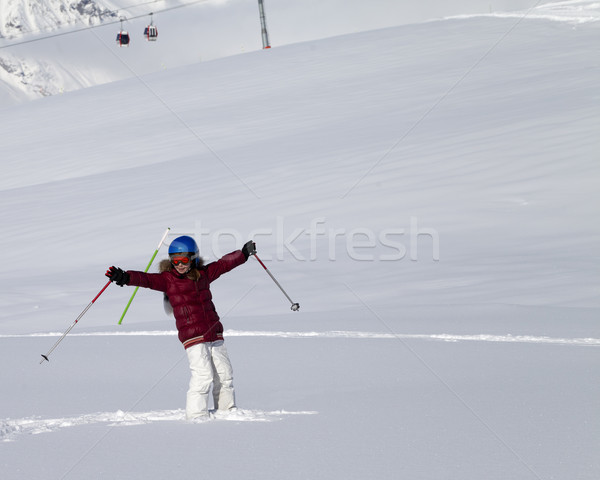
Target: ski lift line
(178, 117)
(126, 8)
(136, 5)
(91, 27)
(121, 19)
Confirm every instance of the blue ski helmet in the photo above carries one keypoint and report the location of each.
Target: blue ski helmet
(185, 245)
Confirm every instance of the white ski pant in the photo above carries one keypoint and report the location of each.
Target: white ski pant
(210, 365)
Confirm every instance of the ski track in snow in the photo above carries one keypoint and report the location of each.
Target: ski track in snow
(10, 428)
(446, 337)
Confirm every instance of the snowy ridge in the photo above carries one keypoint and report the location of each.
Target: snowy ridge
(10, 428)
(35, 78)
(446, 337)
(571, 11)
(18, 17)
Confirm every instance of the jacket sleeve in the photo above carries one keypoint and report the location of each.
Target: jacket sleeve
(224, 265)
(154, 281)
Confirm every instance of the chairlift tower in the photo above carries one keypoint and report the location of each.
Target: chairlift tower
(263, 25)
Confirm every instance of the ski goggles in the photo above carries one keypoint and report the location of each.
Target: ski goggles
(177, 259)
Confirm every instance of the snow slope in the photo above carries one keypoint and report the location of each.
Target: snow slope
(427, 193)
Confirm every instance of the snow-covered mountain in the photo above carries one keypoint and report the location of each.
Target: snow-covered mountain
(20, 17)
(29, 74)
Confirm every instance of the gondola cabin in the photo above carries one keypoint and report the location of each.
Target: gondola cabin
(151, 33)
(123, 38)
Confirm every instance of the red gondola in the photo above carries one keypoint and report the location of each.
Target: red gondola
(151, 32)
(123, 37)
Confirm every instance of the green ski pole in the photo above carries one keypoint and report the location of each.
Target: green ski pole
(147, 268)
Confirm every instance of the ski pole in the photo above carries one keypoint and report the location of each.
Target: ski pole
(45, 357)
(147, 268)
(295, 306)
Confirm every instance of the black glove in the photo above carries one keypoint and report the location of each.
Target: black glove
(249, 249)
(118, 276)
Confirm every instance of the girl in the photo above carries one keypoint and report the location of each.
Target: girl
(185, 281)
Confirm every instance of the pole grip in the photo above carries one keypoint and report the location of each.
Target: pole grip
(162, 239)
(260, 261)
(101, 291)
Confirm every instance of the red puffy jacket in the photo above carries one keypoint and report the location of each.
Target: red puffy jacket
(195, 315)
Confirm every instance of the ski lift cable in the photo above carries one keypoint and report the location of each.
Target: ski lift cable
(115, 12)
(91, 27)
(182, 121)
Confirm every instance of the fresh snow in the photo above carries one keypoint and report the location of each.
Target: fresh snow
(10, 429)
(429, 195)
